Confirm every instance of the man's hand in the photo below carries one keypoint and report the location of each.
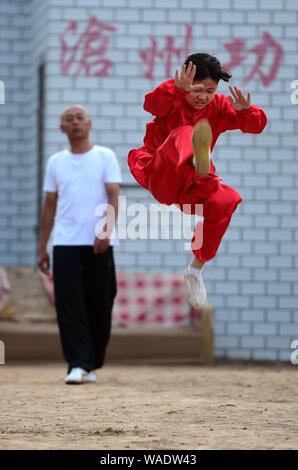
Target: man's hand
(185, 79)
(101, 246)
(238, 100)
(44, 262)
(46, 223)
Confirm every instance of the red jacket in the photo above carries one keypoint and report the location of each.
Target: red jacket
(166, 102)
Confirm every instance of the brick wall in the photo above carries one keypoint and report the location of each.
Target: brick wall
(17, 243)
(252, 280)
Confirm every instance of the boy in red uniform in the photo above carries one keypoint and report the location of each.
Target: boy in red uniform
(174, 163)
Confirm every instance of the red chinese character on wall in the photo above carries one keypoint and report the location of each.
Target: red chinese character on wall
(85, 54)
(168, 54)
(261, 50)
(236, 48)
(268, 46)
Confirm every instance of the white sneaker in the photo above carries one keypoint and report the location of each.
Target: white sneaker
(91, 377)
(196, 293)
(76, 376)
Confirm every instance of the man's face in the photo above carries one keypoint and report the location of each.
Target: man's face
(75, 123)
(200, 98)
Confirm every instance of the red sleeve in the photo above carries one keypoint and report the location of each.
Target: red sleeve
(163, 98)
(252, 120)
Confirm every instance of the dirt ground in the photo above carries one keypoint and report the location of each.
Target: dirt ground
(150, 407)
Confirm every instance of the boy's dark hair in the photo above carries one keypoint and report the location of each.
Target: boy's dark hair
(208, 66)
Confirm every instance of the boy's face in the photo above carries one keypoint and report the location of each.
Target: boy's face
(198, 99)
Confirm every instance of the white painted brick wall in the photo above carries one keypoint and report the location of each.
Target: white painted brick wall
(252, 280)
(18, 209)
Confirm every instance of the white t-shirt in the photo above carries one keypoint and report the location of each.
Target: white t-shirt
(79, 180)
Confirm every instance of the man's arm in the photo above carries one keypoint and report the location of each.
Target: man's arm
(46, 224)
(113, 190)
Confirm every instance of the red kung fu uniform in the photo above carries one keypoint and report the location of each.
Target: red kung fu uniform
(164, 164)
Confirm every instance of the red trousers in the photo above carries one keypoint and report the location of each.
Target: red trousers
(170, 176)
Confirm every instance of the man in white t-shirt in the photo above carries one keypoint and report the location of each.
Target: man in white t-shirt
(79, 184)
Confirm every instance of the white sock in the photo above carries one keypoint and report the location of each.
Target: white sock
(195, 271)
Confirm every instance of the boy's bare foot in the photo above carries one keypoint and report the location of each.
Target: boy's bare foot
(201, 141)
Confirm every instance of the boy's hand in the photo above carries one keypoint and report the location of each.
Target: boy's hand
(238, 100)
(186, 77)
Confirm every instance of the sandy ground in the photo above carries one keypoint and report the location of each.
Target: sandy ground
(150, 407)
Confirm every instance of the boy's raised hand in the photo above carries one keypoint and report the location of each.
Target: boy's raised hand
(238, 100)
(186, 77)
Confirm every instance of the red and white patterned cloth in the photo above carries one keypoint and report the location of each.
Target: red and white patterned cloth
(47, 280)
(151, 299)
(148, 300)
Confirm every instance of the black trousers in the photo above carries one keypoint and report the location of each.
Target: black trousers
(85, 288)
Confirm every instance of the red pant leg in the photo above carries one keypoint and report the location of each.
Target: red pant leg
(219, 200)
(170, 176)
(169, 171)
(139, 162)
(157, 170)
(217, 212)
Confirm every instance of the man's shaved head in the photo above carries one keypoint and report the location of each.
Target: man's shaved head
(76, 123)
(75, 109)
